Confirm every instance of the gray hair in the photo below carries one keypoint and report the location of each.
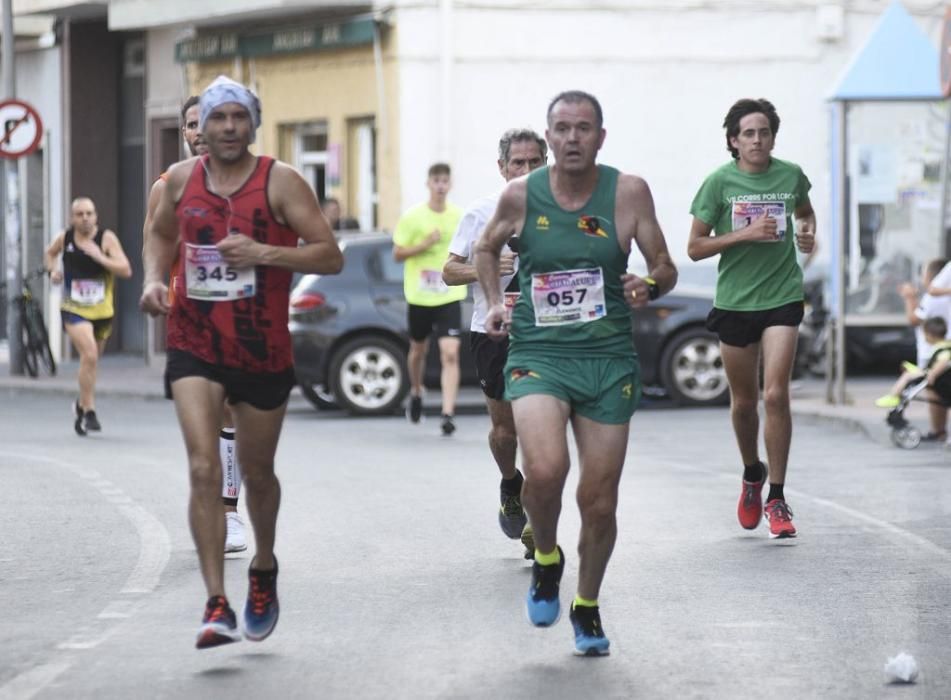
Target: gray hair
(518, 136)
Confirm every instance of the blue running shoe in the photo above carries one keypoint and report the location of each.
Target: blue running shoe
(261, 610)
(542, 602)
(219, 625)
(589, 636)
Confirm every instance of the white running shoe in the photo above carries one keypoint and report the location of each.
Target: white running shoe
(235, 541)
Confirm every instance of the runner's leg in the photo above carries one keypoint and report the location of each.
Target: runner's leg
(502, 439)
(601, 448)
(449, 377)
(779, 352)
(742, 372)
(82, 337)
(198, 405)
(256, 434)
(541, 422)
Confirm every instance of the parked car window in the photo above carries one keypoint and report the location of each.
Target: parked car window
(391, 270)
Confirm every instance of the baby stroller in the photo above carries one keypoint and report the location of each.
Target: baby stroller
(904, 434)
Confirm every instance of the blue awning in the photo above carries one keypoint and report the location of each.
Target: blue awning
(897, 62)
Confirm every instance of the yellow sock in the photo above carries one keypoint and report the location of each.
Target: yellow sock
(548, 559)
(584, 602)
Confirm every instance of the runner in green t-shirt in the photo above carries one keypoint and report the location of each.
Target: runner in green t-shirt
(421, 241)
(751, 205)
(572, 359)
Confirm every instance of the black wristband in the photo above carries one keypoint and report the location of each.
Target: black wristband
(653, 291)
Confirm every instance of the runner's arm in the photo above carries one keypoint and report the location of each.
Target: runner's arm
(805, 217)
(294, 201)
(113, 258)
(702, 245)
(458, 271)
(159, 244)
(51, 258)
(505, 223)
(649, 238)
(401, 253)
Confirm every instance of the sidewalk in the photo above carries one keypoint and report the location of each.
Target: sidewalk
(128, 376)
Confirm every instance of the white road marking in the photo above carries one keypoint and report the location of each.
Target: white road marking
(32, 681)
(154, 551)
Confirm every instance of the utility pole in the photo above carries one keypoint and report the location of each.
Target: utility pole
(11, 219)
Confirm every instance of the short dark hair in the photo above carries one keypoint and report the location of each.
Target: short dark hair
(439, 169)
(935, 326)
(189, 103)
(519, 136)
(933, 267)
(575, 96)
(742, 108)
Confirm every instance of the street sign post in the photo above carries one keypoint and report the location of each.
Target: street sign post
(21, 129)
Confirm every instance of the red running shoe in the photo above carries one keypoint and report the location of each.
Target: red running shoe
(749, 511)
(779, 515)
(218, 625)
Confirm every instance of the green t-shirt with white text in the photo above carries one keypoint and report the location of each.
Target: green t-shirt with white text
(754, 276)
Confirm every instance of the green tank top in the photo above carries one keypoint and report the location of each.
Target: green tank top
(570, 267)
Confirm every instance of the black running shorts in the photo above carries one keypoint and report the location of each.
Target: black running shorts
(490, 357)
(265, 391)
(445, 320)
(741, 328)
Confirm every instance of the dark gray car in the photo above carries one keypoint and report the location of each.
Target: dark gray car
(350, 337)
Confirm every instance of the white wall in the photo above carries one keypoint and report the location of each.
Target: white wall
(39, 82)
(665, 77)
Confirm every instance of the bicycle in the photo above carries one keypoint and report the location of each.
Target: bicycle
(34, 336)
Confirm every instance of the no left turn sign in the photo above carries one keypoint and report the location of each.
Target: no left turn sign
(20, 129)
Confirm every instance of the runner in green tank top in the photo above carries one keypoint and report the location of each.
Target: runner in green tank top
(749, 206)
(571, 357)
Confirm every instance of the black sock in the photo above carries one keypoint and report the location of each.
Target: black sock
(775, 492)
(513, 486)
(754, 472)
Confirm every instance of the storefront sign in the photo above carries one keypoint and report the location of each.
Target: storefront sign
(211, 47)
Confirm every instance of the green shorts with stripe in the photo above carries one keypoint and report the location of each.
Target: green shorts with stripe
(602, 389)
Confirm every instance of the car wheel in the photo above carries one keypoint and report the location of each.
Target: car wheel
(692, 369)
(319, 397)
(368, 375)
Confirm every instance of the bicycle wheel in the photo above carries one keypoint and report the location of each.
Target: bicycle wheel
(30, 360)
(42, 339)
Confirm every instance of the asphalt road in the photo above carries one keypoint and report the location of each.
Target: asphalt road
(397, 583)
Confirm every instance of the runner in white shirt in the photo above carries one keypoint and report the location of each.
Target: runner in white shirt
(520, 152)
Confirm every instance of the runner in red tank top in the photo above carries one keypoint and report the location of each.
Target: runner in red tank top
(239, 218)
(235, 538)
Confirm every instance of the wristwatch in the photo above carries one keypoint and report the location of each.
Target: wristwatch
(653, 291)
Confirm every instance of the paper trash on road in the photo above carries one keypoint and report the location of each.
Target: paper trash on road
(901, 669)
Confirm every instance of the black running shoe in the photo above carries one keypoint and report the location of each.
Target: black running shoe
(261, 610)
(90, 422)
(448, 425)
(78, 425)
(219, 625)
(542, 602)
(414, 409)
(512, 518)
(589, 635)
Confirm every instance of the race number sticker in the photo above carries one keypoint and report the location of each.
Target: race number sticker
(87, 292)
(745, 213)
(431, 281)
(209, 278)
(569, 296)
(509, 301)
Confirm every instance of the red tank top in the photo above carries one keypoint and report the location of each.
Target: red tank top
(248, 334)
